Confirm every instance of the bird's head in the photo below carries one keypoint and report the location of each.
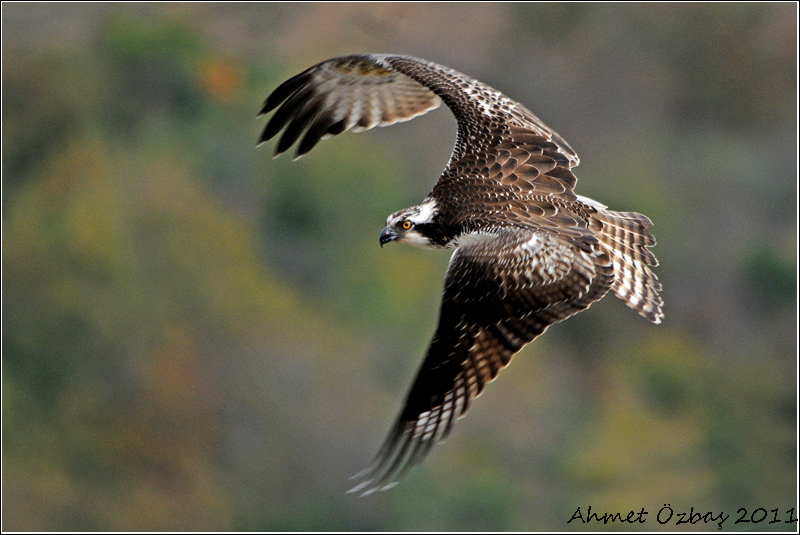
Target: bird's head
(413, 226)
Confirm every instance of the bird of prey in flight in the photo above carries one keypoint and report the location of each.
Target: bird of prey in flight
(527, 250)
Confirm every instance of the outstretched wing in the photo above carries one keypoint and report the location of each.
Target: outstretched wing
(499, 295)
(362, 91)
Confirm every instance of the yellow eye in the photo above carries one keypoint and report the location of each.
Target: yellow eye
(406, 224)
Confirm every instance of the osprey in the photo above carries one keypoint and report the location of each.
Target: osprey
(527, 251)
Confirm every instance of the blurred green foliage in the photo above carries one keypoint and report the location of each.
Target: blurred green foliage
(198, 337)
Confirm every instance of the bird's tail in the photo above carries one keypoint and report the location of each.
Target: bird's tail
(627, 237)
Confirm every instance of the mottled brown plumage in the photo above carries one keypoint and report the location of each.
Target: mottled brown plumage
(528, 251)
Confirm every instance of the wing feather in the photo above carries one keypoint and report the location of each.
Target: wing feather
(369, 90)
(352, 92)
(499, 295)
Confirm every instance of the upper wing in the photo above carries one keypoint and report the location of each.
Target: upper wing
(363, 91)
(499, 295)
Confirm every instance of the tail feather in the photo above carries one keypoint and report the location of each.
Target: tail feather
(627, 237)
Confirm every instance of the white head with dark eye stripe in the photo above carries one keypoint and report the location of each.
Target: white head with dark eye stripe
(412, 226)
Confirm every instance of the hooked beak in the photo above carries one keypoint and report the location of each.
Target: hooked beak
(388, 235)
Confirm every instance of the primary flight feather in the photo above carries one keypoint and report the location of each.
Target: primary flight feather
(528, 252)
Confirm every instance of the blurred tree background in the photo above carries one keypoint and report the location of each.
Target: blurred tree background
(199, 337)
